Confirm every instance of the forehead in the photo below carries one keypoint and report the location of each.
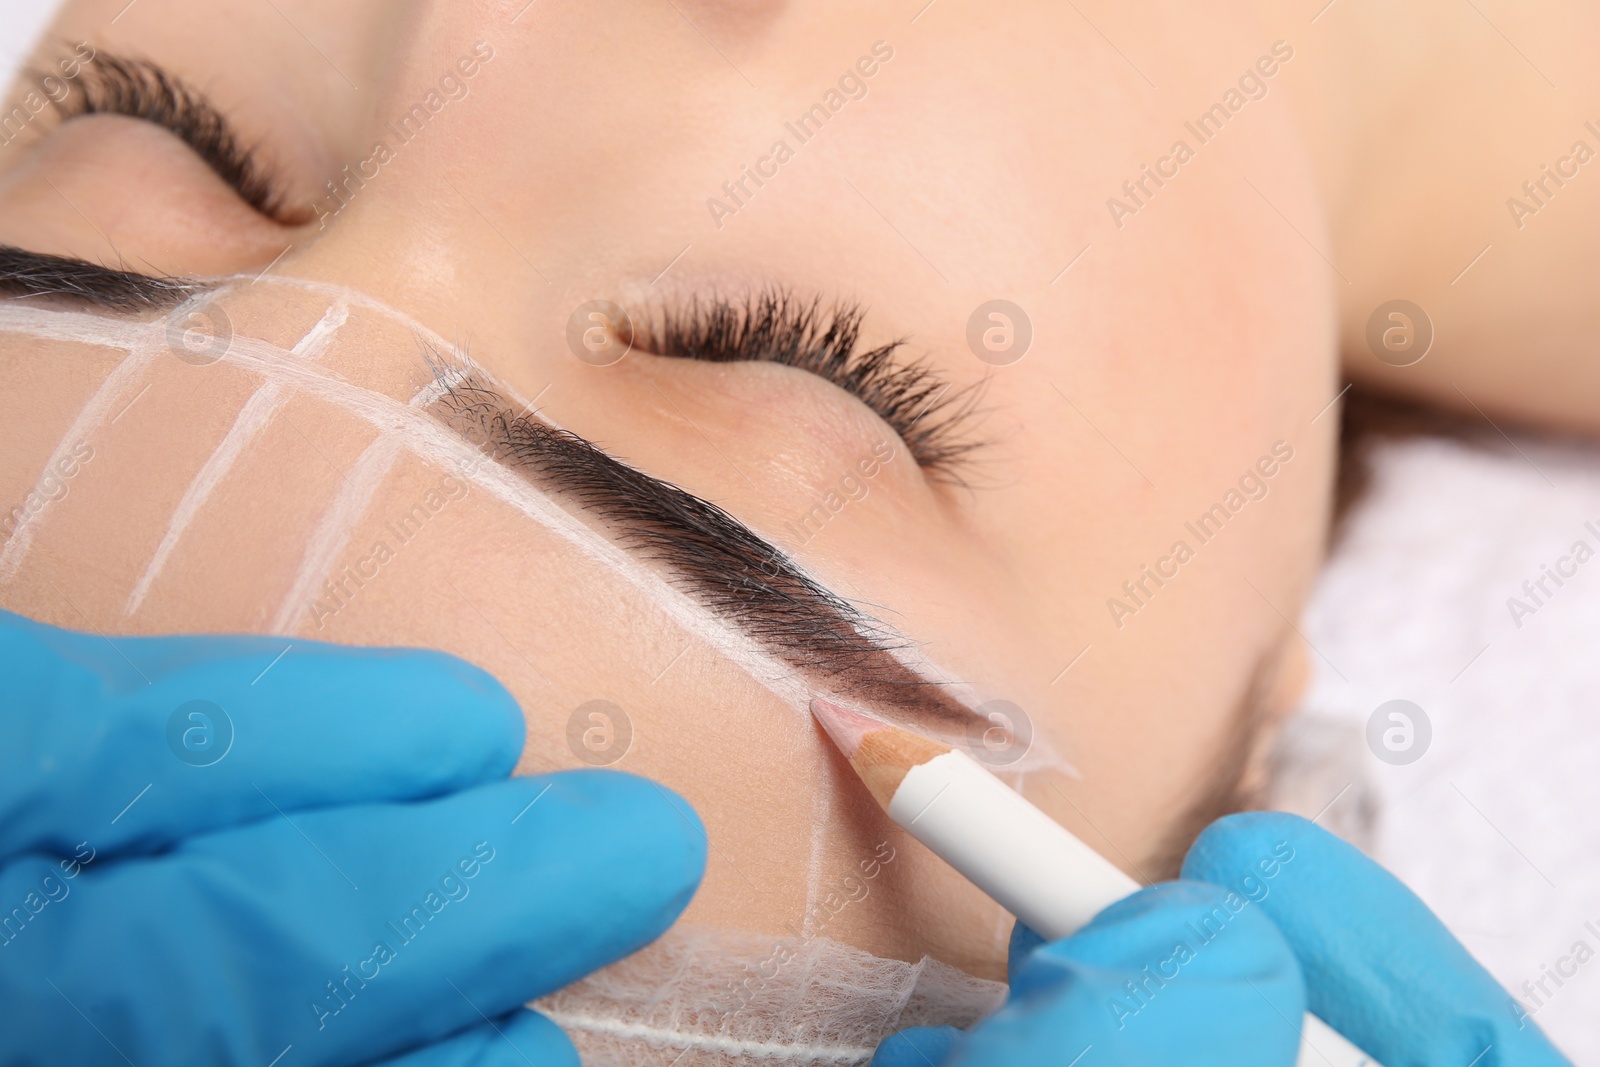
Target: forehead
(604, 150)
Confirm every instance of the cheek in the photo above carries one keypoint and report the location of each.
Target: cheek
(1174, 383)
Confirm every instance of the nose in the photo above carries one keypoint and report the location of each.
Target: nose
(511, 170)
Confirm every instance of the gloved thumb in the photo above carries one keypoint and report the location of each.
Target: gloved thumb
(1176, 973)
(1379, 966)
(916, 1046)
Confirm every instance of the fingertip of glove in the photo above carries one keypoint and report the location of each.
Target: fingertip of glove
(513, 1040)
(1253, 844)
(1023, 942)
(525, 1037)
(917, 1046)
(470, 702)
(1209, 932)
(644, 823)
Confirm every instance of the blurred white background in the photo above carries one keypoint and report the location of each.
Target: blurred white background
(21, 22)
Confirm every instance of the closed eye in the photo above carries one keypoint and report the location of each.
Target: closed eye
(933, 417)
(141, 89)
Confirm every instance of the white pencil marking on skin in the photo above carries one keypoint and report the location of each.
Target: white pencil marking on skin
(338, 522)
(97, 330)
(335, 528)
(105, 398)
(424, 436)
(427, 438)
(359, 299)
(320, 336)
(253, 417)
(821, 810)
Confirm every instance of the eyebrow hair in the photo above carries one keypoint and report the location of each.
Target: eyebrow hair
(708, 552)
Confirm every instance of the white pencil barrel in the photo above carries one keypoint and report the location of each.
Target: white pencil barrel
(1029, 863)
(1036, 868)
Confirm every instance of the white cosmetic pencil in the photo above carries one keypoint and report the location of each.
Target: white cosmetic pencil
(1030, 864)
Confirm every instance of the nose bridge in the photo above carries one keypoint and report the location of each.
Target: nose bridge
(427, 95)
(387, 214)
(518, 155)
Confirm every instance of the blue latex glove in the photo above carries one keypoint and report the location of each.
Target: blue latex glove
(211, 883)
(1306, 921)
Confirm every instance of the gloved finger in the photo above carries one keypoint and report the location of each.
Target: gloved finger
(1177, 973)
(1379, 966)
(514, 1040)
(350, 933)
(916, 1046)
(194, 733)
(1023, 942)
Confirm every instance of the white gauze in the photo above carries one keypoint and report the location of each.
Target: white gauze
(713, 998)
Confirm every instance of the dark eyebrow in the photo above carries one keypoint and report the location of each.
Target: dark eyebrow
(709, 553)
(24, 273)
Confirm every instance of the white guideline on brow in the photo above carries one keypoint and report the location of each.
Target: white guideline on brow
(339, 520)
(821, 821)
(333, 530)
(407, 426)
(423, 435)
(356, 298)
(115, 386)
(906, 655)
(253, 417)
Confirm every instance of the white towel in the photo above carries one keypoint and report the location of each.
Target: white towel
(1497, 824)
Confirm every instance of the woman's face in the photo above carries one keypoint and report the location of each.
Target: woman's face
(488, 169)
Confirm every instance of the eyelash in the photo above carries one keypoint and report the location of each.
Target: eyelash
(139, 89)
(932, 418)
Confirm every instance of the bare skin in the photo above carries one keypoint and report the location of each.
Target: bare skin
(1176, 347)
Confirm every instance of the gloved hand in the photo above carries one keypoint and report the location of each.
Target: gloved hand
(212, 855)
(1191, 973)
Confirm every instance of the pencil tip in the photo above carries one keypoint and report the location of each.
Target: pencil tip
(846, 726)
